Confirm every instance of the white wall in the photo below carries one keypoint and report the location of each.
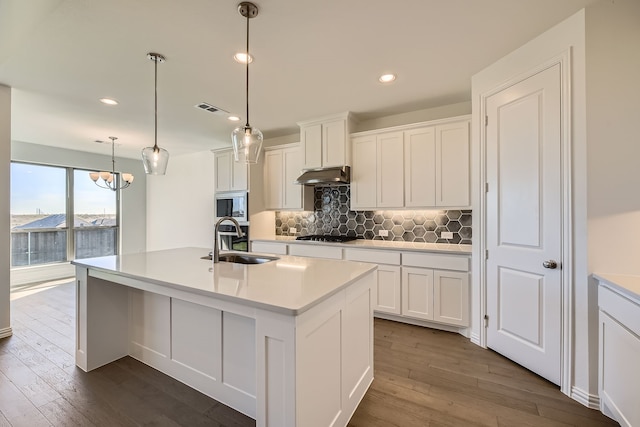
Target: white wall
(180, 204)
(5, 222)
(442, 112)
(613, 94)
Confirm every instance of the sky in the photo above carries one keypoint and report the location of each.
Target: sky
(41, 189)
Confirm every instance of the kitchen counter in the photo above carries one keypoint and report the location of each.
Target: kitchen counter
(258, 285)
(625, 284)
(380, 244)
(282, 342)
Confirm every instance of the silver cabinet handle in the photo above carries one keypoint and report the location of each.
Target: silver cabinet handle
(551, 264)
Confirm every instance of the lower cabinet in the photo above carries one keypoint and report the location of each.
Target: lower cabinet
(387, 293)
(619, 347)
(436, 295)
(426, 286)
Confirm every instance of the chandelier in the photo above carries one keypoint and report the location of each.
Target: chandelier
(247, 140)
(109, 180)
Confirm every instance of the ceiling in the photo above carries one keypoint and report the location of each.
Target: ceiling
(312, 58)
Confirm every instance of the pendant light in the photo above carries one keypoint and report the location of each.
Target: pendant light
(109, 180)
(155, 159)
(247, 140)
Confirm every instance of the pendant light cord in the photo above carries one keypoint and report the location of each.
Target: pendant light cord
(247, 85)
(155, 108)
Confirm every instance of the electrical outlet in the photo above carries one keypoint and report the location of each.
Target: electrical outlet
(383, 233)
(446, 235)
(293, 230)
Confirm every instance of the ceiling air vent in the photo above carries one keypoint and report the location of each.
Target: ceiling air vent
(210, 108)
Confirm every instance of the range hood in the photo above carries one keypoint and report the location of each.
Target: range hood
(325, 176)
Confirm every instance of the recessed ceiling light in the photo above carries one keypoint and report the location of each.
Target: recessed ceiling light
(241, 57)
(108, 101)
(234, 118)
(387, 78)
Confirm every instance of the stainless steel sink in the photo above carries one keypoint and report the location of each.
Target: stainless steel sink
(244, 258)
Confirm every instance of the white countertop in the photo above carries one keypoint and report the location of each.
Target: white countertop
(627, 284)
(380, 244)
(289, 285)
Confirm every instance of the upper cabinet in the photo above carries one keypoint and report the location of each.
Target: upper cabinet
(417, 166)
(377, 175)
(325, 141)
(229, 174)
(436, 165)
(282, 166)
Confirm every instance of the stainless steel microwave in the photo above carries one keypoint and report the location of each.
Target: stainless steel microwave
(233, 204)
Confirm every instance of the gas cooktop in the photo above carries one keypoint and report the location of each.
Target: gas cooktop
(326, 238)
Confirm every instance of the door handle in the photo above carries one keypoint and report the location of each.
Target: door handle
(551, 264)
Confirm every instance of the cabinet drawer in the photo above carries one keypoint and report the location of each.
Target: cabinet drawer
(620, 308)
(374, 256)
(439, 261)
(316, 251)
(269, 247)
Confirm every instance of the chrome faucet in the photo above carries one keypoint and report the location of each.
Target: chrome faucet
(215, 255)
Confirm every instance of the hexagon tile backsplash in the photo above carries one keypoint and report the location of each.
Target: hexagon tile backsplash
(332, 216)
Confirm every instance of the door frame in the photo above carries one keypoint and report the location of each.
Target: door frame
(566, 332)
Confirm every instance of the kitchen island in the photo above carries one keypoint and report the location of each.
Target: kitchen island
(288, 342)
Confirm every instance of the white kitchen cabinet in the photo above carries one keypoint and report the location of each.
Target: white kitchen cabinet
(377, 178)
(417, 293)
(364, 180)
(424, 288)
(420, 167)
(281, 169)
(436, 287)
(277, 248)
(386, 291)
(437, 166)
(423, 165)
(229, 174)
(451, 297)
(619, 346)
(324, 141)
(452, 165)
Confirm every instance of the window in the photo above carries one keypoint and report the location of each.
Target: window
(95, 223)
(44, 201)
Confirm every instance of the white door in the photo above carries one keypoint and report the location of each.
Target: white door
(524, 223)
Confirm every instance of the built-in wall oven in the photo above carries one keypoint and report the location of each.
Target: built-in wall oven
(228, 238)
(235, 205)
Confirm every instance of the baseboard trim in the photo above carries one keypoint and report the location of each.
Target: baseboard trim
(6, 332)
(475, 338)
(589, 400)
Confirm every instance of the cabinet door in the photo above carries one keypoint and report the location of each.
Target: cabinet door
(452, 165)
(238, 174)
(291, 193)
(451, 297)
(272, 182)
(387, 294)
(334, 143)
(390, 170)
(269, 247)
(222, 169)
(311, 140)
(420, 167)
(363, 174)
(417, 293)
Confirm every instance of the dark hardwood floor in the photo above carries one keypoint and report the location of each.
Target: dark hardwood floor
(423, 377)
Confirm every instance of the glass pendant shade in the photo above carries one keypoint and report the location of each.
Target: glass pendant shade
(155, 160)
(247, 144)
